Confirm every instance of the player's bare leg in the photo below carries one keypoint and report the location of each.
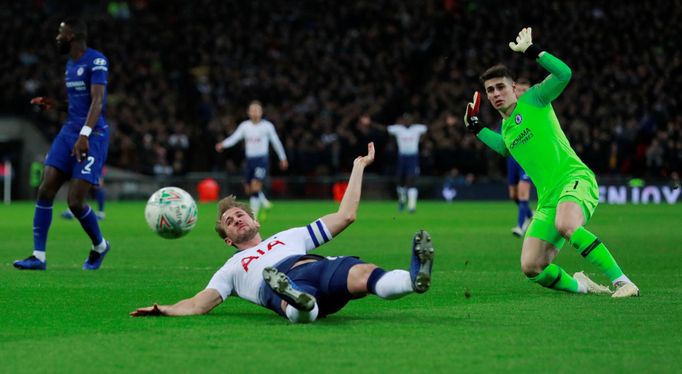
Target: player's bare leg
(358, 276)
(536, 263)
(570, 220)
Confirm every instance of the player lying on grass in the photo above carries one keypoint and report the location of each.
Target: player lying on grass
(567, 188)
(278, 273)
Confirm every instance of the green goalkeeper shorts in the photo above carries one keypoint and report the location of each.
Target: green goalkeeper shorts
(582, 190)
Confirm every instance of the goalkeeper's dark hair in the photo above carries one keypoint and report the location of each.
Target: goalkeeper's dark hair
(524, 81)
(79, 28)
(224, 205)
(497, 71)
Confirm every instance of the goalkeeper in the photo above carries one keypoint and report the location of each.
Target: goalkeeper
(567, 189)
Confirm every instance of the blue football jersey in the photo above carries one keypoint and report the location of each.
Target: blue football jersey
(91, 68)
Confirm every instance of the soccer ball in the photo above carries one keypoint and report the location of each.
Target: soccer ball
(171, 212)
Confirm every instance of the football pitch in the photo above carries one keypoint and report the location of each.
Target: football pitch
(69, 320)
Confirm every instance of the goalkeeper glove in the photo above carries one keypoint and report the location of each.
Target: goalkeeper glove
(524, 44)
(471, 116)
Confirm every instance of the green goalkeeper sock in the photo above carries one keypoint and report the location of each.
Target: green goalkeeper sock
(595, 252)
(556, 278)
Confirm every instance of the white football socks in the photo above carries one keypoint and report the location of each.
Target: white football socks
(254, 202)
(622, 278)
(402, 194)
(264, 200)
(298, 316)
(394, 285)
(40, 255)
(412, 198)
(101, 247)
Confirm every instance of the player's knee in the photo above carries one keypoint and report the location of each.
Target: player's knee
(565, 227)
(531, 268)
(45, 193)
(358, 276)
(76, 203)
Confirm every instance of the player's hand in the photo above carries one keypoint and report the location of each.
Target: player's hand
(284, 164)
(81, 148)
(44, 103)
(471, 115)
(219, 147)
(523, 41)
(366, 160)
(153, 310)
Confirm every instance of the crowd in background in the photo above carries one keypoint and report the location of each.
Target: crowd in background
(333, 74)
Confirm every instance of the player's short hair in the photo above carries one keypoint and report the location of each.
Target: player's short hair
(256, 102)
(523, 81)
(497, 71)
(78, 26)
(224, 205)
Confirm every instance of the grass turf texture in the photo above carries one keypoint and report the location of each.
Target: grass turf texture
(69, 320)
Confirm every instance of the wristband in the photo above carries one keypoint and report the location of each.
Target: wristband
(475, 125)
(533, 52)
(86, 131)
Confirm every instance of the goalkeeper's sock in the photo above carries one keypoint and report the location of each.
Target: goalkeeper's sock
(299, 316)
(254, 202)
(42, 219)
(390, 285)
(88, 221)
(556, 278)
(590, 247)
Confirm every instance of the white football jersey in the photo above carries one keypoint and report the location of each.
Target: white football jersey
(257, 138)
(407, 137)
(242, 274)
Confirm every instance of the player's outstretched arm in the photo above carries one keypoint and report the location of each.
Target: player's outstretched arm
(201, 303)
(474, 126)
(337, 222)
(46, 103)
(232, 139)
(560, 73)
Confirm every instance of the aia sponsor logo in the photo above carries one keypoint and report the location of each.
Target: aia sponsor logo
(246, 261)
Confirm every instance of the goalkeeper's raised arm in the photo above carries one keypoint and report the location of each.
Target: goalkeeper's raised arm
(560, 73)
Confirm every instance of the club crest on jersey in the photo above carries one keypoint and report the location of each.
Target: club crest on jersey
(80, 71)
(518, 119)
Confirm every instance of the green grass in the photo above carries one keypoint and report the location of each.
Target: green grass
(68, 320)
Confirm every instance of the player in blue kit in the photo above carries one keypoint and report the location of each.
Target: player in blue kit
(80, 149)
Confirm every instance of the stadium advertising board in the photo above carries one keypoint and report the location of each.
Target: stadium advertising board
(652, 194)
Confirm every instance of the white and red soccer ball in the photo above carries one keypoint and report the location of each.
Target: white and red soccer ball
(171, 212)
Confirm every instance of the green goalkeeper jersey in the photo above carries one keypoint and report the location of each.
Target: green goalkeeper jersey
(533, 136)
